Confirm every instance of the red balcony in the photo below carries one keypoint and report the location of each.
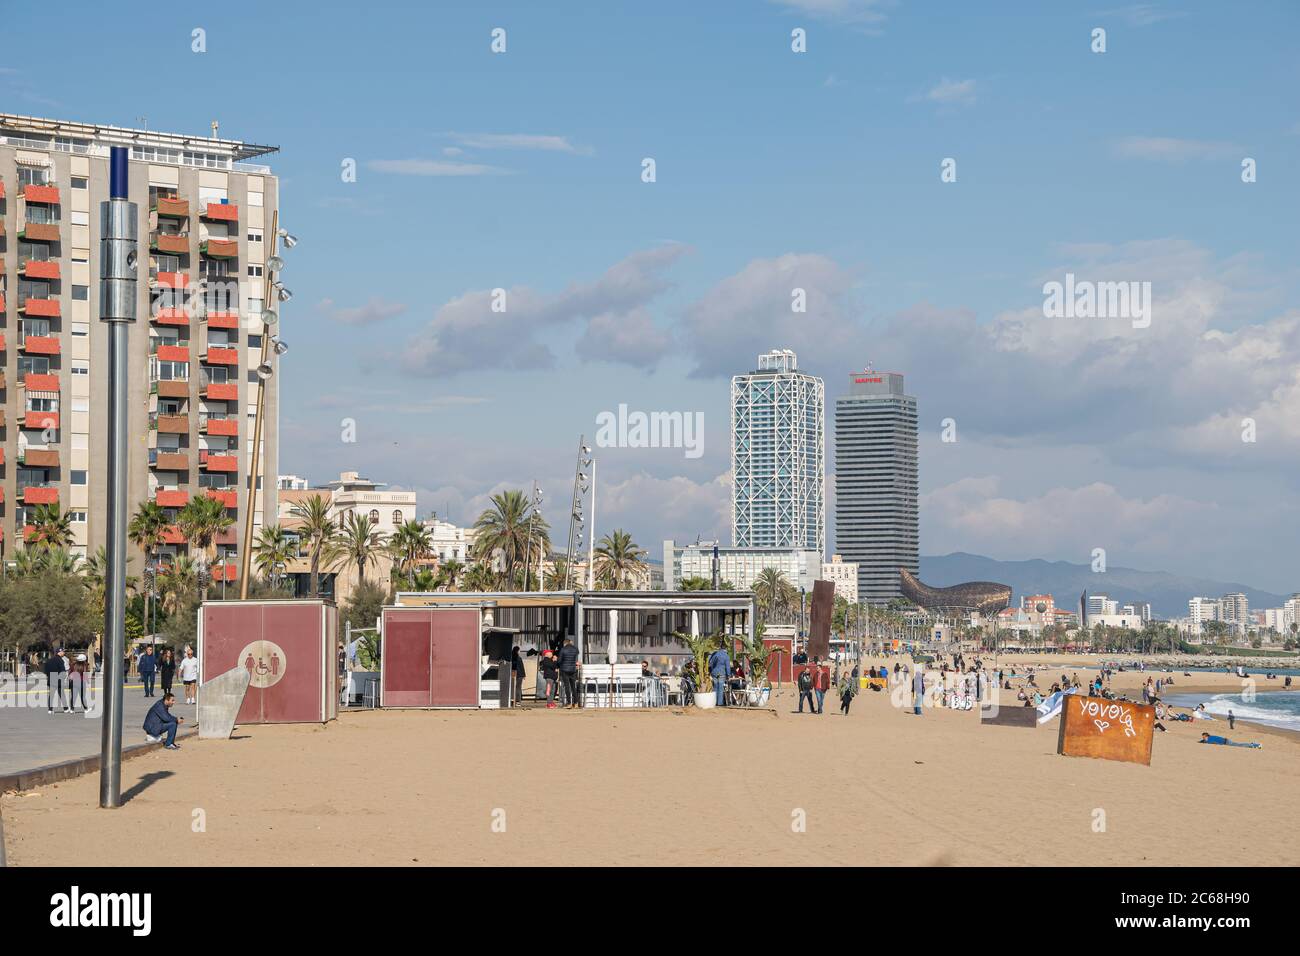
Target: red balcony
(173, 353)
(171, 499)
(36, 495)
(172, 388)
(221, 212)
(171, 280)
(175, 317)
(222, 320)
(229, 498)
(218, 462)
(220, 426)
(2, 189)
(47, 195)
(171, 461)
(220, 248)
(2, 295)
(221, 356)
(45, 308)
(225, 572)
(171, 244)
(41, 420)
(39, 269)
(40, 345)
(36, 382)
(38, 457)
(172, 208)
(39, 231)
(221, 391)
(228, 536)
(173, 424)
(172, 535)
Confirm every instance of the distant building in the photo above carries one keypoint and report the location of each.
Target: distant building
(449, 542)
(844, 575)
(1202, 610)
(1101, 604)
(778, 456)
(1236, 612)
(739, 566)
(292, 483)
(1039, 608)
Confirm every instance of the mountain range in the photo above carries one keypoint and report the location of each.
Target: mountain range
(1166, 593)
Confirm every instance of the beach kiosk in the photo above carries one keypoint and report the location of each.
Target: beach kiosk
(290, 649)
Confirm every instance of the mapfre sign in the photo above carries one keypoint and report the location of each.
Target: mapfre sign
(1107, 729)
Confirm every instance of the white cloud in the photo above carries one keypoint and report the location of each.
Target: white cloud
(545, 143)
(433, 167)
(375, 310)
(1173, 150)
(950, 92)
(865, 14)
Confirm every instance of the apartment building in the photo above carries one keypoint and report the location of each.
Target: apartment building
(844, 575)
(193, 352)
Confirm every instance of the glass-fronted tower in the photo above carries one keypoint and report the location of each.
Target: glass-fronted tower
(778, 456)
(876, 482)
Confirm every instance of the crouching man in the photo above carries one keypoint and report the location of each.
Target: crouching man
(160, 722)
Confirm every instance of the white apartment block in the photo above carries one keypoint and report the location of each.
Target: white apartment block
(739, 566)
(844, 575)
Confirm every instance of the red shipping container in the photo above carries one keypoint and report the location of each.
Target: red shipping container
(289, 647)
(432, 657)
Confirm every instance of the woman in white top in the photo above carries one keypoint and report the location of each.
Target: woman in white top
(189, 668)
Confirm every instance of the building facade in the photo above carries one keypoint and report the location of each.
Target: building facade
(844, 575)
(778, 456)
(203, 217)
(876, 512)
(739, 567)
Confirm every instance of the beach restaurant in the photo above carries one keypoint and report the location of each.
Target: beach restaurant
(614, 631)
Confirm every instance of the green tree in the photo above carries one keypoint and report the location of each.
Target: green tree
(411, 543)
(48, 608)
(449, 571)
(201, 520)
(776, 596)
(357, 544)
(318, 530)
(146, 530)
(619, 560)
(272, 550)
(51, 528)
(511, 531)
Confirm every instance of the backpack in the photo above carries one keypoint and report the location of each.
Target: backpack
(805, 681)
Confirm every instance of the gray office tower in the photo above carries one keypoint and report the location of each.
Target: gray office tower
(876, 483)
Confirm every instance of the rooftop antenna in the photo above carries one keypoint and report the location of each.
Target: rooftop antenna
(215, 127)
(144, 123)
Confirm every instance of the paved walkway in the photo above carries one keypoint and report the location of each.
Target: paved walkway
(31, 737)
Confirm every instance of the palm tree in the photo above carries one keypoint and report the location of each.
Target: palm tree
(618, 560)
(409, 544)
(557, 579)
(273, 549)
(357, 543)
(50, 528)
(318, 529)
(774, 592)
(509, 529)
(201, 520)
(450, 570)
(478, 577)
(179, 583)
(94, 575)
(146, 532)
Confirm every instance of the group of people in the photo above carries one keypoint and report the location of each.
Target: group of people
(70, 677)
(163, 669)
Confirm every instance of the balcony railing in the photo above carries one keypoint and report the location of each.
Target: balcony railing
(220, 391)
(46, 494)
(218, 425)
(219, 248)
(220, 355)
(39, 269)
(47, 195)
(221, 212)
(177, 244)
(168, 460)
(171, 208)
(45, 308)
(170, 424)
(39, 232)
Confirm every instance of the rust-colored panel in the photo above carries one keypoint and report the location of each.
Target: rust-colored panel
(293, 632)
(229, 627)
(1107, 729)
(457, 650)
(821, 608)
(407, 659)
(779, 671)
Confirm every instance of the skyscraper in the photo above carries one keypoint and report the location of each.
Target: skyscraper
(876, 482)
(778, 456)
(203, 214)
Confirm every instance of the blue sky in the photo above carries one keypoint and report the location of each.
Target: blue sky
(774, 169)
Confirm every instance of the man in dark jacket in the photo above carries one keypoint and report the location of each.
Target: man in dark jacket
(805, 684)
(569, 673)
(719, 668)
(148, 668)
(56, 676)
(160, 720)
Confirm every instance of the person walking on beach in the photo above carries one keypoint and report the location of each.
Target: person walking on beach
(847, 688)
(189, 669)
(148, 668)
(167, 671)
(805, 684)
(1232, 720)
(918, 690)
(821, 682)
(550, 674)
(77, 680)
(569, 674)
(517, 672)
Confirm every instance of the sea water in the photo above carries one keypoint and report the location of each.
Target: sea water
(1276, 708)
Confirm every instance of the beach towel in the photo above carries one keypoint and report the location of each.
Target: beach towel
(1051, 706)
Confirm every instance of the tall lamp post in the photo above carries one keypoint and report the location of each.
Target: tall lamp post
(271, 284)
(119, 230)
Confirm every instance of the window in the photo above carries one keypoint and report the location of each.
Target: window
(33, 364)
(44, 215)
(397, 518)
(255, 235)
(78, 517)
(254, 341)
(255, 271)
(34, 175)
(78, 477)
(80, 293)
(80, 330)
(252, 376)
(255, 306)
(374, 516)
(167, 263)
(79, 367)
(173, 371)
(79, 182)
(79, 218)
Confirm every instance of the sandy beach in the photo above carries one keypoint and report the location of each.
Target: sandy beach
(676, 787)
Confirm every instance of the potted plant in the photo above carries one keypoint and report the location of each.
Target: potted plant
(760, 657)
(700, 647)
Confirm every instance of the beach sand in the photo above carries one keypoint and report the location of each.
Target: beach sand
(676, 787)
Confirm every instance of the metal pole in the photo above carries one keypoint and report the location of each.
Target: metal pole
(119, 232)
(591, 536)
(246, 549)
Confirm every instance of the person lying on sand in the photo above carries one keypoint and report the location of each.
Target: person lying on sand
(1224, 741)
